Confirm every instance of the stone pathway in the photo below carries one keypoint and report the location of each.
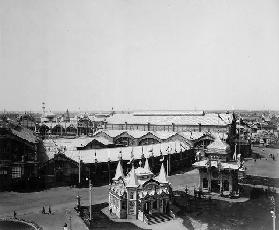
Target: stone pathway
(61, 214)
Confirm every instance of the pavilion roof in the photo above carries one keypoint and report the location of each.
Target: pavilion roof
(203, 119)
(218, 145)
(214, 163)
(113, 154)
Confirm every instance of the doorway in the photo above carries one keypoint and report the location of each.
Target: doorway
(215, 186)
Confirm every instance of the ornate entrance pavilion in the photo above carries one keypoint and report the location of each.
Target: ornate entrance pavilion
(139, 194)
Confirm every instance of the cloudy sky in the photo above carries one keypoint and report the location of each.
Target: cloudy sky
(139, 54)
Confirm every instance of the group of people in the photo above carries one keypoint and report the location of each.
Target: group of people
(49, 210)
(197, 192)
(272, 156)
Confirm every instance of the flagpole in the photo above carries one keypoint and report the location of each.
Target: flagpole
(273, 213)
(90, 201)
(239, 136)
(79, 171)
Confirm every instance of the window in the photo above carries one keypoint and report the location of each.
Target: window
(205, 183)
(3, 172)
(16, 172)
(131, 195)
(124, 205)
(155, 204)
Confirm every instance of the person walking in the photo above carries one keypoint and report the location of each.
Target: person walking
(49, 210)
(186, 190)
(15, 215)
(65, 227)
(43, 210)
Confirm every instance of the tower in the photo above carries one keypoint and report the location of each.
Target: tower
(44, 107)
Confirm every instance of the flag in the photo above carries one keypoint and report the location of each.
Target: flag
(151, 151)
(182, 147)
(131, 158)
(208, 164)
(132, 154)
(234, 155)
(161, 154)
(120, 155)
(96, 157)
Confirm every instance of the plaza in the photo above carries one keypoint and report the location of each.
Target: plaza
(247, 214)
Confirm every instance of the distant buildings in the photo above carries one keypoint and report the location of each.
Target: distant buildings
(18, 155)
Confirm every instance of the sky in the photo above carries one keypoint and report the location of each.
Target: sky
(139, 54)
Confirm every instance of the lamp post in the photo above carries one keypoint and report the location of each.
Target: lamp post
(79, 170)
(68, 212)
(109, 170)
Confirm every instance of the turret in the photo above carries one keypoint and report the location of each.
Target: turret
(162, 177)
(119, 172)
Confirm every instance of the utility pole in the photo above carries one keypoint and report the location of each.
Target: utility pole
(79, 176)
(109, 170)
(90, 201)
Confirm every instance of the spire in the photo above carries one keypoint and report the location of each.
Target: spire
(119, 172)
(132, 180)
(146, 165)
(162, 177)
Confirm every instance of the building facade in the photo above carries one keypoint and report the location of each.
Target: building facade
(218, 173)
(18, 156)
(140, 194)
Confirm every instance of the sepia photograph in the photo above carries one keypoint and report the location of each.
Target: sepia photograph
(139, 114)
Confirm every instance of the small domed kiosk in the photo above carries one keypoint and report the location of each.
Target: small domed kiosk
(217, 172)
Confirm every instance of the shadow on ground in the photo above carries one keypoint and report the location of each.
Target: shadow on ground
(101, 221)
(218, 214)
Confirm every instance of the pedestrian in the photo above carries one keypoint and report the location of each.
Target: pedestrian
(44, 211)
(110, 211)
(15, 214)
(65, 227)
(49, 210)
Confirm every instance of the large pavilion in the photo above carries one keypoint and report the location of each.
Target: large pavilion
(140, 194)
